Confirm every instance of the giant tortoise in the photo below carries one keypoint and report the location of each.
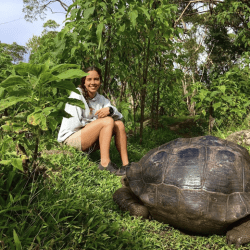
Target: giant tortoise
(200, 184)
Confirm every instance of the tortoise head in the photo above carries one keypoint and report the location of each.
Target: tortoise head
(124, 181)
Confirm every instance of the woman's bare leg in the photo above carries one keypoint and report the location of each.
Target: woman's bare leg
(121, 141)
(101, 128)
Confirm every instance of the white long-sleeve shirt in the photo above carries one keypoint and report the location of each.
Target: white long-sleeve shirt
(81, 117)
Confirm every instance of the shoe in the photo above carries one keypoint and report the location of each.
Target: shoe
(122, 170)
(112, 168)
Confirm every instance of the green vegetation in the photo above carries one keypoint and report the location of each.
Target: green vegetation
(41, 107)
(69, 205)
(9, 54)
(170, 68)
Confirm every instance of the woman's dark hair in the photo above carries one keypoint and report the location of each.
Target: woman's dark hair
(82, 86)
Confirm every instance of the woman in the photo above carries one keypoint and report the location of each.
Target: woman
(95, 124)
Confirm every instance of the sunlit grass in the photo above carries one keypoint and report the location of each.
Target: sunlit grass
(72, 208)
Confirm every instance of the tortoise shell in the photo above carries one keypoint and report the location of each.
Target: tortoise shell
(199, 184)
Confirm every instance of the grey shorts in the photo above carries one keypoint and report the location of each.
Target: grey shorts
(74, 140)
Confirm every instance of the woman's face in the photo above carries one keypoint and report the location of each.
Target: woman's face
(92, 83)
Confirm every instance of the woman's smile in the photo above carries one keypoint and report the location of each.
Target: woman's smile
(92, 83)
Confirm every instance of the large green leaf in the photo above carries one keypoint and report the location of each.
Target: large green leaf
(222, 88)
(66, 84)
(28, 68)
(62, 67)
(39, 117)
(72, 74)
(74, 13)
(57, 115)
(214, 93)
(72, 101)
(227, 98)
(52, 123)
(11, 126)
(10, 101)
(99, 33)
(104, 5)
(24, 92)
(47, 77)
(6, 128)
(145, 11)
(21, 116)
(216, 105)
(122, 27)
(48, 110)
(17, 163)
(73, 49)
(88, 12)
(34, 118)
(44, 123)
(202, 94)
(74, 36)
(59, 39)
(133, 15)
(13, 81)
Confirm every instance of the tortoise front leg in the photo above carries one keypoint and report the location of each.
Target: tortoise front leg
(127, 201)
(239, 235)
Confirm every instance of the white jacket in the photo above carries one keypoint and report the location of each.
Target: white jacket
(81, 117)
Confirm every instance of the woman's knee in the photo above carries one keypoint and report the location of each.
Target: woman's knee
(119, 125)
(108, 121)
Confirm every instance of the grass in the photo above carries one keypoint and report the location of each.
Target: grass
(73, 207)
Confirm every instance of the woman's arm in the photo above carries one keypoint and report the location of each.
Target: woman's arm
(74, 123)
(116, 114)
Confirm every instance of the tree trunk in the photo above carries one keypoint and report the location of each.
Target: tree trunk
(134, 104)
(106, 73)
(157, 97)
(143, 97)
(135, 109)
(35, 155)
(123, 91)
(162, 111)
(211, 118)
(143, 90)
(190, 106)
(107, 61)
(152, 110)
(5, 113)
(157, 105)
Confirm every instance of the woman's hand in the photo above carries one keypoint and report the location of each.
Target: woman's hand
(102, 112)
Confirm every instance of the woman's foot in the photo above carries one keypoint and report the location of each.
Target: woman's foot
(122, 170)
(112, 168)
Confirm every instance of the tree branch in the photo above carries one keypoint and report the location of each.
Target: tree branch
(194, 1)
(63, 5)
(53, 1)
(55, 12)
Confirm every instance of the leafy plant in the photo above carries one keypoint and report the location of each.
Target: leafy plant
(228, 96)
(5, 66)
(33, 93)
